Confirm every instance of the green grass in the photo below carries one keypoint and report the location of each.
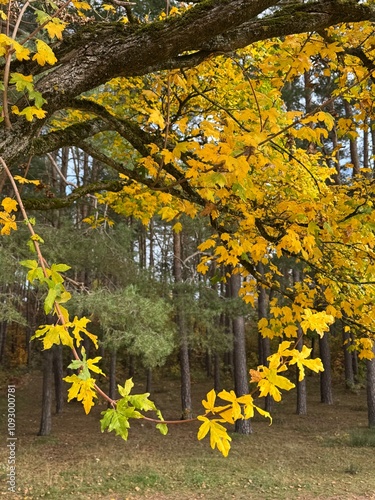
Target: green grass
(362, 437)
(297, 457)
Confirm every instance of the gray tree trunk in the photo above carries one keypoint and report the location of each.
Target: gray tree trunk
(241, 377)
(326, 393)
(186, 401)
(46, 417)
(371, 390)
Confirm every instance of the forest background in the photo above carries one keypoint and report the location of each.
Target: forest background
(202, 198)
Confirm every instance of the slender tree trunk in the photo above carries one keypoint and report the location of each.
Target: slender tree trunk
(354, 156)
(241, 383)
(263, 342)
(348, 360)
(46, 418)
(217, 383)
(371, 390)
(149, 380)
(58, 372)
(301, 407)
(112, 374)
(326, 394)
(186, 401)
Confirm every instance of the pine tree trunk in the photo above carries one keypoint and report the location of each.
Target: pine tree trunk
(348, 360)
(149, 380)
(217, 383)
(263, 342)
(186, 401)
(58, 372)
(241, 383)
(371, 390)
(301, 407)
(46, 418)
(112, 374)
(326, 394)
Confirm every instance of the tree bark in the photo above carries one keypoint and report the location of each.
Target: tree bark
(241, 383)
(348, 360)
(112, 374)
(370, 385)
(98, 52)
(46, 417)
(186, 401)
(263, 342)
(326, 393)
(58, 372)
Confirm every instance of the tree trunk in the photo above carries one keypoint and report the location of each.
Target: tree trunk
(371, 390)
(348, 360)
(217, 383)
(263, 342)
(58, 372)
(149, 380)
(46, 418)
(326, 394)
(112, 374)
(241, 383)
(301, 407)
(186, 402)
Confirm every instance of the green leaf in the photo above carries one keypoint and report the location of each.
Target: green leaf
(128, 386)
(114, 421)
(49, 301)
(141, 402)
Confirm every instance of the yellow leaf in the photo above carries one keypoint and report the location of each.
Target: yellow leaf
(157, 118)
(318, 322)
(44, 54)
(55, 28)
(8, 223)
(209, 404)
(218, 434)
(177, 228)
(82, 390)
(300, 359)
(206, 245)
(79, 326)
(9, 205)
(23, 180)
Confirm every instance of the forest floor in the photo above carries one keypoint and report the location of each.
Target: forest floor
(305, 458)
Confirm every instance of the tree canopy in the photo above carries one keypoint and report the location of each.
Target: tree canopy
(88, 54)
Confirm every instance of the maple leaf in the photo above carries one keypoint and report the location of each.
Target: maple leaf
(8, 223)
(300, 359)
(53, 334)
(44, 54)
(271, 381)
(79, 326)
(209, 404)
(9, 204)
(22, 82)
(318, 322)
(218, 434)
(55, 28)
(233, 413)
(157, 118)
(82, 390)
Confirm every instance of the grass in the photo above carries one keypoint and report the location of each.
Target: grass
(326, 454)
(362, 437)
